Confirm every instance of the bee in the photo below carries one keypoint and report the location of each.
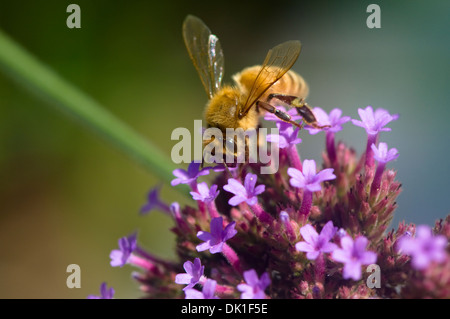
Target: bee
(240, 105)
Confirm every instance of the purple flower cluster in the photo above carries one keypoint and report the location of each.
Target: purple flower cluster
(309, 230)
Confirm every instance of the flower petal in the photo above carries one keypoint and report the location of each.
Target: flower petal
(236, 200)
(304, 247)
(328, 231)
(309, 234)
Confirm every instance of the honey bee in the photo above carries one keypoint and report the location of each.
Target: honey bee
(241, 105)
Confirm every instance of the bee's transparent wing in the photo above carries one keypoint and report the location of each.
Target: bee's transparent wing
(205, 52)
(278, 61)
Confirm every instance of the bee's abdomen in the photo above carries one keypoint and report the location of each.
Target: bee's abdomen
(290, 84)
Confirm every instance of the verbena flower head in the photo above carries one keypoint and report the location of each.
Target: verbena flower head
(215, 239)
(382, 154)
(204, 193)
(207, 292)
(309, 179)
(254, 287)
(194, 272)
(335, 120)
(353, 254)
(424, 248)
(105, 293)
(187, 177)
(283, 226)
(374, 122)
(127, 245)
(244, 193)
(314, 243)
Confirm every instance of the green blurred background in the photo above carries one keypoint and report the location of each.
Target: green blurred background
(66, 196)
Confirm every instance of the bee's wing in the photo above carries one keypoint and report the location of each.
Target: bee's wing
(205, 52)
(278, 61)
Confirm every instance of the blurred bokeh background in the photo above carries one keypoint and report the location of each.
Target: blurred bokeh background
(66, 196)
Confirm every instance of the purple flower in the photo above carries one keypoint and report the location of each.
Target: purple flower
(119, 257)
(207, 292)
(254, 286)
(204, 193)
(309, 179)
(153, 202)
(286, 138)
(189, 176)
(105, 293)
(382, 154)
(424, 248)
(353, 254)
(215, 240)
(194, 272)
(244, 193)
(374, 122)
(314, 243)
(334, 120)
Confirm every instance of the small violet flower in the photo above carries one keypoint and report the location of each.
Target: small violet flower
(244, 193)
(286, 138)
(254, 287)
(204, 193)
(314, 243)
(424, 248)
(334, 120)
(153, 202)
(310, 181)
(382, 155)
(194, 272)
(353, 254)
(215, 240)
(105, 293)
(207, 292)
(190, 176)
(121, 256)
(373, 123)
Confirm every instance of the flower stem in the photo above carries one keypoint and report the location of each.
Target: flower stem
(375, 188)
(306, 202)
(371, 139)
(331, 149)
(319, 269)
(212, 209)
(153, 259)
(232, 257)
(142, 263)
(48, 85)
(261, 214)
(294, 158)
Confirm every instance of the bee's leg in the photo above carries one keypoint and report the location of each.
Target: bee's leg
(278, 113)
(301, 106)
(227, 169)
(287, 99)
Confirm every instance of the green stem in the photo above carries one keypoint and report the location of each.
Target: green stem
(41, 80)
